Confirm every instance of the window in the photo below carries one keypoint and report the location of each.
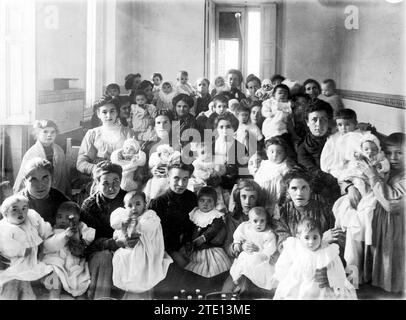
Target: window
(238, 33)
(17, 62)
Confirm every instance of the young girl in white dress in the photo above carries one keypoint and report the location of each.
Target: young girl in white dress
(22, 230)
(138, 269)
(161, 158)
(256, 242)
(65, 252)
(130, 157)
(271, 171)
(208, 257)
(296, 267)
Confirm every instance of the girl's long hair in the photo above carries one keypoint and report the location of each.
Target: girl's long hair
(250, 185)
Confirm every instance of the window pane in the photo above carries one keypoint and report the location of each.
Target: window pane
(254, 34)
(228, 26)
(228, 53)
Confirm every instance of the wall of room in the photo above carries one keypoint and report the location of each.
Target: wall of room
(125, 40)
(61, 42)
(169, 36)
(372, 59)
(313, 42)
(306, 40)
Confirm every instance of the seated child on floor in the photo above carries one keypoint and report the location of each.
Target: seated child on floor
(22, 230)
(159, 159)
(64, 251)
(130, 157)
(141, 261)
(296, 267)
(141, 116)
(207, 256)
(256, 243)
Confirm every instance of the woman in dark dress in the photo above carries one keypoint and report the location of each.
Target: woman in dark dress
(247, 195)
(95, 212)
(37, 188)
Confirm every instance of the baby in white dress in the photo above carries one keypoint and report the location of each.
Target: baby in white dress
(22, 230)
(165, 96)
(256, 242)
(296, 267)
(157, 185)
(139, 267)
(130, 157)
(65, 252)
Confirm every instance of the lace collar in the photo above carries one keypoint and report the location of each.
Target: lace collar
(203, 219)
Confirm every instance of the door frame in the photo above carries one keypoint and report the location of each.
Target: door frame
(242, 46)
(268, 61)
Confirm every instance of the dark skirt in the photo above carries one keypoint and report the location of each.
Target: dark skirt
(388, 254)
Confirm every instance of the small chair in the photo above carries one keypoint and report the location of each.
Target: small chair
(74, 176)
(71, 154)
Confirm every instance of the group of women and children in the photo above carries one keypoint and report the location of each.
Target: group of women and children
(277, 191)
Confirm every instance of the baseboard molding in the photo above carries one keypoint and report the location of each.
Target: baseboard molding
(388, 100)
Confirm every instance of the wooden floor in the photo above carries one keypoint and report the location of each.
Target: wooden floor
(365, 292)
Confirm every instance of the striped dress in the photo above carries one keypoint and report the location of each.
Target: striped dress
(209, 259)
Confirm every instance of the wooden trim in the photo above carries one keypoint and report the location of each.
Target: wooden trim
(389, 100)
(51, 96)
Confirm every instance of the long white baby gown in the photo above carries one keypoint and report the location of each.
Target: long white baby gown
(157, 186)
(276, 117)
(15, 239)
(296, 268)
(72, 271)
(269, 177)
(140, 268)
(338, 150)
(129, 168)
(255, 266)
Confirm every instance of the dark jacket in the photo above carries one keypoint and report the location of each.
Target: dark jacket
(173, 210)
(95, 212)
(46, 207)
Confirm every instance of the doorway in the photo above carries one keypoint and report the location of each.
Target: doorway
(238, 31)
(240, 36)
